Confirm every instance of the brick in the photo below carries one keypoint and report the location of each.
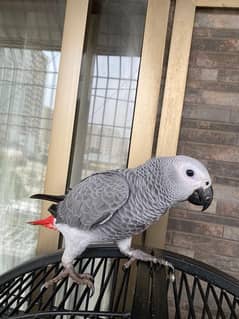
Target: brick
(214, 60)
(195, 227)
(227, 208)
(224, 33)
(215, 45)
(226, 192)
(202, 112)
(205, 124)
(210, 152)
(201, 32)
(209, 74)
(203, 217)
(215, 86)
(182, 251)
(220, 98)
(201, 74)
(228, 75)
(222, 168)
(224, 263)
(192, 96)
(227, 20)
(206, 243)
(209, 136)
(226, 181)
(193, 74)
(234, 116)
(231, 233)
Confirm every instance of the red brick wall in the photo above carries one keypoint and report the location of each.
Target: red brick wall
(210, 132)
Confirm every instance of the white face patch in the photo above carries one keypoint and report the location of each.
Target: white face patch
(189, 175)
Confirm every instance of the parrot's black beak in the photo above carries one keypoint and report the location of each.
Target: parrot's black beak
(202, 197)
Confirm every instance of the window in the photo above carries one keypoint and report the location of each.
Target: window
(30, 42)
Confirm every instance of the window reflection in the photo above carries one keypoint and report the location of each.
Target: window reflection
(30, 42)
(108, 84)
(111, 112)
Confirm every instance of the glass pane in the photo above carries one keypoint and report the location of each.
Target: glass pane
(108, 85)
(30, 42)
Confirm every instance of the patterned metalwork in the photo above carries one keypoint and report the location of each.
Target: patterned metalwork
(144, 291)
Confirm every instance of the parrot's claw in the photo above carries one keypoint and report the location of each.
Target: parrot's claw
(165, 263)
(170, 267)
(128, 263)
(84, 279)
(140, 255)
(171, 276)
(80, 279)
(63, 274)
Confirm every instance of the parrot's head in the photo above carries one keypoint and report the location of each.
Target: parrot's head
(188, 179)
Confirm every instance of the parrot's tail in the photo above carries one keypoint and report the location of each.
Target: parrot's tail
(51, 198)
(48, 222)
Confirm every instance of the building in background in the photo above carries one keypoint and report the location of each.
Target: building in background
(30, 40)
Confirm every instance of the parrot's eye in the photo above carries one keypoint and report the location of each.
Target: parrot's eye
(190, 172)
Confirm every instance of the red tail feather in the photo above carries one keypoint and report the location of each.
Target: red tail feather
(46, 222)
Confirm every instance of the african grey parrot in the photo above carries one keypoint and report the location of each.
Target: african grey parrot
(116, 204)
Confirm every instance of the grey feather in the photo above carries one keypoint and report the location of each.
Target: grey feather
(115, 205)
(94, 201)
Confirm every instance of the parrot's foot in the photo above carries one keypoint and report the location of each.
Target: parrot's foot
(140, 255)
(80, 279)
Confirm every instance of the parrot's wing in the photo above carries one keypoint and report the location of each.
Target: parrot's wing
(95, 200)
